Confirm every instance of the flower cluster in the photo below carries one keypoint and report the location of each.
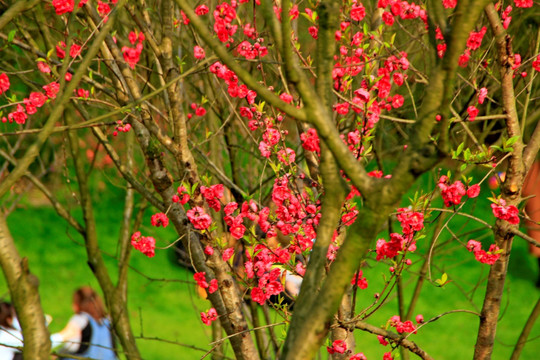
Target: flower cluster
(199, 218)
(402, 326)
(208, 317)
(502, 211)
(182, 197)
(453, 193)
(212, 195)
(338, 347)
(145, 244)
(132, 54)
(359, 280)
(200, 279)
(159, 219)
(231, 80)
(397, 243)
(34, 101)
(489, 257)
(121, 127)
(259, 264)
(224, 16)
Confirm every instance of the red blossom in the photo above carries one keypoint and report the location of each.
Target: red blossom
(198, 52)
(314, 32)
(482, 93)
(449, 4)
(144, 244)
(227, 254)
(453, 193)
(338, 346)
(199, 218)
(37, 99)
(132, 55)
(44, 67)
(159, 219)
(523, 3)
(209, 316)
(75, 50)
(19, 115)
(201, 10)
(4, 83)
(63, 6)
(358, 12)
(52, 89)
(310, 140)
(489, 257)
(506, 212)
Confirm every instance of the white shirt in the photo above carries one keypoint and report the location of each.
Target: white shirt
(9, 337)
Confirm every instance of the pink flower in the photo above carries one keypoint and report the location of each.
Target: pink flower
(19, 116)
(411, 221)
(200, 279)
(359, 356)
(382, 340)
(4, 83)
(313, 31)
(473, 191)
(473, 112)
(286, 156)
(475, 38)
(213, 286)
(103, 8)
(198, 52)
(52, 89)
(451, 194)
(506, 212)
(449, 4)
(482, 93)
(159, 219)
(388, 18)
(63, 6)
(37, 99)
(43, 67)
(227, 254)
(482, 256)
(209, 316)
(419, 319)
(132, 55)
(75, 50)
(208, 250)
(338, 346)
(201, 10)
(199, 218)
(523, 3)
(397, 101)
(358, 12)
(359, 280)
(144, 244)
(310, 140)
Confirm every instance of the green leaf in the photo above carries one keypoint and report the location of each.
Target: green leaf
(11, 35)
(512, 140)
(460, 149)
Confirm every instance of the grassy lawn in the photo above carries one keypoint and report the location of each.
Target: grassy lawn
(163, 304)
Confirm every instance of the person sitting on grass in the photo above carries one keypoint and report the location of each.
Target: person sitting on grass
(88, 333)
(10, 337)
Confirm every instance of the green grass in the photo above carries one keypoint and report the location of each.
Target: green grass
(168, 309)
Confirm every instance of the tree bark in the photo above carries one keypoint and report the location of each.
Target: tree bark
(23, 288)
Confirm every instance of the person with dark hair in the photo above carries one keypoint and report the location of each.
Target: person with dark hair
(88, 332)
(10, 337)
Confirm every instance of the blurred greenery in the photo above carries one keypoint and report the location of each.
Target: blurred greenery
(164, 306)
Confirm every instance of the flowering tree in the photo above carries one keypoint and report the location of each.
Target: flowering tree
(279, 140)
